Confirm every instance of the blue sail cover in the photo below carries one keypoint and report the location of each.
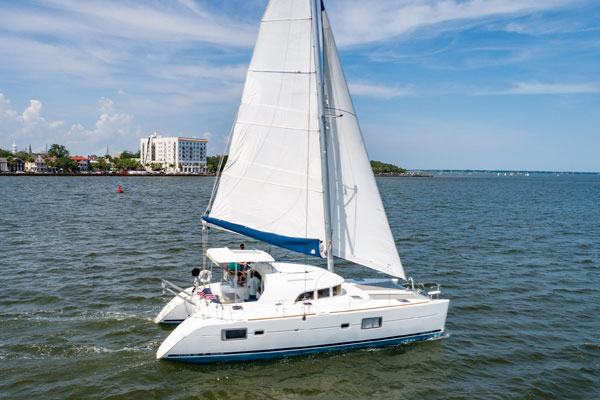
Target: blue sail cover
(301, 245)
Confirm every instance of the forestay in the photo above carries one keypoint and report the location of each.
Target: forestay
(271, 186)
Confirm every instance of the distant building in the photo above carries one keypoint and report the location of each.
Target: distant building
(18, 165)
(14, 148)
(174, 154)
(37, 166)
(4, 165)
(83, 163)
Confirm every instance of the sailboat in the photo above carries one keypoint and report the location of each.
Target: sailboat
(298, 177)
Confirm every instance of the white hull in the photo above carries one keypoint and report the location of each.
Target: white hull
(177, 310)
(279, 328)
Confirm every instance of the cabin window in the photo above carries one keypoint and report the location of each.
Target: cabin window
(306, 296)
(346, 325)
(234, 334)
(370, 323)
(337, 290)
(323, 293)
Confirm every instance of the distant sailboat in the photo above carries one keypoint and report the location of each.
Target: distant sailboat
(298, 177)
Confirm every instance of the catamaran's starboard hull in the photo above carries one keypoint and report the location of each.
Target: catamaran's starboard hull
(202, 340)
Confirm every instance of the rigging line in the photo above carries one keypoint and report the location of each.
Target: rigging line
(218, 173)
(311, 62)
(272, 71)
(340, 109)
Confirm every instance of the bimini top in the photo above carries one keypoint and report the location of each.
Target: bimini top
(225, 255)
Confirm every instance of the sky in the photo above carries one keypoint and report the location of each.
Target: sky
(449, 84)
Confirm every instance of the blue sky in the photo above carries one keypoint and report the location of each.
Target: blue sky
(452, 84)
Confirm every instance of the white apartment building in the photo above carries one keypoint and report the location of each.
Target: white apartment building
(174, 154)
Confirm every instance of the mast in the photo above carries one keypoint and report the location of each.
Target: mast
(316, 6)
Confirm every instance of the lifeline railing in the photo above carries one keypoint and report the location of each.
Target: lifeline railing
(431, 293)
(166, 286)
(424, 288)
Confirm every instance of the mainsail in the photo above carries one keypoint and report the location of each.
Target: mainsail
(272, 186)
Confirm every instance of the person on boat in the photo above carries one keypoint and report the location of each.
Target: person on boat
(254, 286)
(236, 272)
(195, 273)
(242, 267)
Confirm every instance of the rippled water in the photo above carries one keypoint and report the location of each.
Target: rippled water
(519, 258)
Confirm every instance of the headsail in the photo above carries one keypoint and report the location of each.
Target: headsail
(271, 188)
(361, 232)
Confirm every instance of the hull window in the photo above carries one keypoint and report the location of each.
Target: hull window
(234, 334)
(346, 325)
(370, 323)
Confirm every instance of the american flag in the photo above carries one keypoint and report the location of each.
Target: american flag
(208, 295)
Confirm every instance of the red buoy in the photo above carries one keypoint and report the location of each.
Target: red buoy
(120, 189)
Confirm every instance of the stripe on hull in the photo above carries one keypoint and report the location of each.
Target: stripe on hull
(271, 353)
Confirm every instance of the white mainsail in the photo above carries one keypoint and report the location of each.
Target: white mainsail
(272, 186)
(361, 232)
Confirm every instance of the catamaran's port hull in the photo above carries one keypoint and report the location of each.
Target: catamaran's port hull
(201, 340)
(209, 358)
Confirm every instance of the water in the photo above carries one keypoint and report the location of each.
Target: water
(519, 258)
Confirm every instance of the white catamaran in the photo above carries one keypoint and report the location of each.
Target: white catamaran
(298, 177)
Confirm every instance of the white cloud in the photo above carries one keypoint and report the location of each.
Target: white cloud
(110, 124)
(107, 106)
(142, 21)
(365, 21)
(121, 92)
(377, 91)
(27, 125)
(552, 88)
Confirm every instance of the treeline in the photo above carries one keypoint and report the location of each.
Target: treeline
(384, 168)
(212, 163)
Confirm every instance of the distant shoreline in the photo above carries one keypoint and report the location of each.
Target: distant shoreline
(119, 175)
(421, 174)
(116, 175)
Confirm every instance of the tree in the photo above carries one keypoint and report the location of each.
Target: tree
(101, 164)
(127, 164)
(5, 153)
(127, 154)
(212, 163)
(23, 155)
(66, 164)
(58, 150)
(156, 166)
